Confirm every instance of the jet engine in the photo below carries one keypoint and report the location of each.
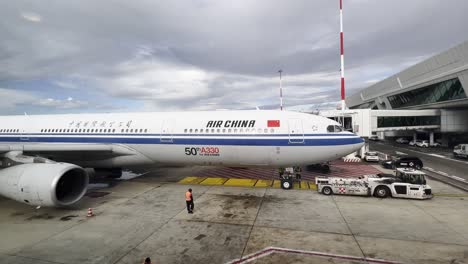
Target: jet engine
(44, 184)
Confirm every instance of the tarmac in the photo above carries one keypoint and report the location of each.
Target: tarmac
(146, 216)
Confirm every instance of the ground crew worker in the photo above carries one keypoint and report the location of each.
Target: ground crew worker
(281, 172)
(189, 201)
(297, 171)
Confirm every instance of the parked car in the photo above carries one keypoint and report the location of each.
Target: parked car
(371, 156)
(402, 141)
(412, 162)
(422, 144)
(413, 142)
(460, 151)
(374, 138)
(435, 145)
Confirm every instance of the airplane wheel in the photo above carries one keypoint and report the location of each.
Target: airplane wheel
(285, 184)
(381, 192)
(327, 190)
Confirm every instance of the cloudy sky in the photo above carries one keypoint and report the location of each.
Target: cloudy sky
(149, 55)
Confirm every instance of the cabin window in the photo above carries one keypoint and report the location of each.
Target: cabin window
(272, 130)
(334, 128)
(146, 130)
(113, 130)
(201, 130)
(235, 130)
(190, 130)
(196, 130)
(229, 130)
(265, 130)
(259, 130)
(185, 130)
(224, 130)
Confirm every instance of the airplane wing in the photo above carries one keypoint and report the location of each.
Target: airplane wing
(69, 151)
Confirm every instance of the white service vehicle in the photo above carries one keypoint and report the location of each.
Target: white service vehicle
(407, 183)
(461, 151)
(371, 156)
(422, 144)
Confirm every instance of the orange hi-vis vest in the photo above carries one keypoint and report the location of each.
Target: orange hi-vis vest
(188, 196)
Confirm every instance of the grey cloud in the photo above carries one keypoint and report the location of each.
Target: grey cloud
(212, 54)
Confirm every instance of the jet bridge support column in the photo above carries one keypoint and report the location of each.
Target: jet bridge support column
(415, 136)
(431, 138)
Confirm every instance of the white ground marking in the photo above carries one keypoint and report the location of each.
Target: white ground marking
(270, 250)
(400, 153)
(437, 155)
(442, 173)
(457, 178)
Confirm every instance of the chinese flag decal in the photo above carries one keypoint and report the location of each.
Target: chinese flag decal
(273, 123)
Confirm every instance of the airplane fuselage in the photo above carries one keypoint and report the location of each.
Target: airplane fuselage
(219, 138)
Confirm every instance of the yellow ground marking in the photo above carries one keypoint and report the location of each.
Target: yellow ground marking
(214, 181)
(296, 185)
(451, 194)
(192, 180)
(263, 183)
(240, 182)
(304, 185)
(276, 184)
(312, 186)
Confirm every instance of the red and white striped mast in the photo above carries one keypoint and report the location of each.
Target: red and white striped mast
(342, 61)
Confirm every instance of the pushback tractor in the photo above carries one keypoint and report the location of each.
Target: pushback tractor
(406, 183)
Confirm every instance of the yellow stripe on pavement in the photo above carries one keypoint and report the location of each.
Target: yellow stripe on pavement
(192, 180)
(304, 185)
(263, 183)
(240, 182)
(312, 186)
(214, 181)
(276, 184)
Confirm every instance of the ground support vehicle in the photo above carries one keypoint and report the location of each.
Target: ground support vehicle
(422, 144)
(402, 141)
(371, 156)
(461, 151)
(406, 183)
(403, 162)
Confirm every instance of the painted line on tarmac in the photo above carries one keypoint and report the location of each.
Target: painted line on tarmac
(437, 155)
(270, 250)
(457, 178)
(445, 174)
(401, 153)
(442, 173)
(425, 153)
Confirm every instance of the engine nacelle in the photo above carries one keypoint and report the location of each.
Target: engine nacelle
(44, 184)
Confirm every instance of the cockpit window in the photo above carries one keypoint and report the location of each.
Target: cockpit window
(334, 128)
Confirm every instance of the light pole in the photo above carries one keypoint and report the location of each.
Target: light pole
(281, 90)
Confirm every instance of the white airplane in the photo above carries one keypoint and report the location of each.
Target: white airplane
(42, 158)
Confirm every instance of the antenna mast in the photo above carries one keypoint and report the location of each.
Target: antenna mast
(343, 106)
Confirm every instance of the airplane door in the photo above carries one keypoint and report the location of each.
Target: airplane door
(167, 129)
(296, 132)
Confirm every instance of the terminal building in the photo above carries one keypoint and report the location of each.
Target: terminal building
(427, 101)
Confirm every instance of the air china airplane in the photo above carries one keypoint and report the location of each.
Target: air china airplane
(42, 158)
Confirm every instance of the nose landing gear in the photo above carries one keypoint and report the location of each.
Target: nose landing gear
(286, 176)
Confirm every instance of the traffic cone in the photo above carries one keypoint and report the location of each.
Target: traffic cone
(90, 212)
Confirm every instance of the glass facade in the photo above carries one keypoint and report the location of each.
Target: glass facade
(434, 93)
(407, 121)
